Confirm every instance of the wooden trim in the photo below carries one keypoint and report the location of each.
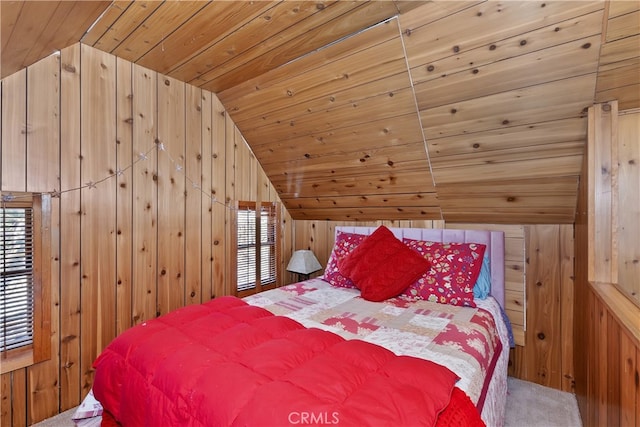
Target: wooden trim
(257, 208)
(277, 244)
(42, 279)
(614, 187)
(590, 184)
(16, 359)
(602, 158)
(40, 350)
(232, 261)
(625, 312)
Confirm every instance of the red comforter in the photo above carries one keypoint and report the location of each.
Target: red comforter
(228, 363)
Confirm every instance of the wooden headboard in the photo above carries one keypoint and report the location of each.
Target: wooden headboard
(493, 239)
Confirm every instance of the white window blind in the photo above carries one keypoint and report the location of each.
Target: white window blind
(257, 246)
(268, 247)
(246, 226)
(16, 277)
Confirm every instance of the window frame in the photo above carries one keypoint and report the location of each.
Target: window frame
(273, 217)
(40, 349)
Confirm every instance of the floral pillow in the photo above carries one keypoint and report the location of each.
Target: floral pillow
(454, 270)
(345, 243)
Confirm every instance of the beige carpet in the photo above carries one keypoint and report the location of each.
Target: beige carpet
(528, 405)
(532, 405)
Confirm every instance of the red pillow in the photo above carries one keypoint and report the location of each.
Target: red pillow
(382, 266)
(345, 243)
(454, 270)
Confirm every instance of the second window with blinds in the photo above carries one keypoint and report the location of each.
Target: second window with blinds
(257, 247)
(25, 283)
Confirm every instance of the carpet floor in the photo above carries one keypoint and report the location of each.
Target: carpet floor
(528, 405)
(533, 405)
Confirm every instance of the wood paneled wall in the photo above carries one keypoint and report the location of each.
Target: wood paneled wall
(619, 68)
(607, 323)
(609, 394)
(547, 357)
(144, 165)
(614, 201)
(539, 263)
(141, 166)
(607, 356)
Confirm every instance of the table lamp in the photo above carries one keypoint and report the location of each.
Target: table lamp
(303, 263)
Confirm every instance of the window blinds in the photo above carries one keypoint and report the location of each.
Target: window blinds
(268, 230)
(246, 243)
(16, 277)
(256, 229)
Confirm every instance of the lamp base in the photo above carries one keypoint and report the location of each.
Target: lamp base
(302, 277)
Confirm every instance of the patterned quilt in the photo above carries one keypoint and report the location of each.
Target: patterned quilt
(465, 340)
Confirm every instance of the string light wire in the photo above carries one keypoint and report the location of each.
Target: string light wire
(142, 156)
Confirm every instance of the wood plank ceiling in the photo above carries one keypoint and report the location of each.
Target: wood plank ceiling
(467, 111)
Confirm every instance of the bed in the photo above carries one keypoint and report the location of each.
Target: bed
(323, 351)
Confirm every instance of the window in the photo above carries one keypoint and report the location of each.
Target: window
(257, 247)
(24, 298)
(16, 275)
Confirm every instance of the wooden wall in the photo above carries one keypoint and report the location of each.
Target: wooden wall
(547, 357)
(539, 264)
(607, 323)
(614, 202)
(141, 166)
(145, 165)
(607, 386)
(619, 67)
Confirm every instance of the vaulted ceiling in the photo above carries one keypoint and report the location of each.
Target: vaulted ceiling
(467, 111)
